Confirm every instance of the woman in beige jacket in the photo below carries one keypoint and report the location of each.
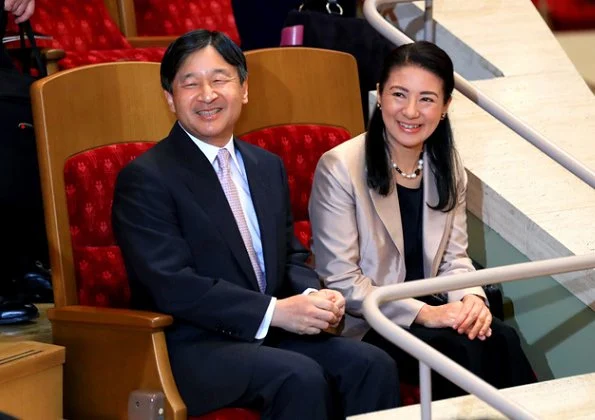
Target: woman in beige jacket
(388, 206)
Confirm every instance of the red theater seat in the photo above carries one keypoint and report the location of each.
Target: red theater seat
(302, 102)
(102, 281)
(86, 32)
(90, 122)
(300, 146)
(176, 17)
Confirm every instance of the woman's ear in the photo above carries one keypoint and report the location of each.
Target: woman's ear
(447, 105)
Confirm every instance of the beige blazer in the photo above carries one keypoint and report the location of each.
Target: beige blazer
(358, 236)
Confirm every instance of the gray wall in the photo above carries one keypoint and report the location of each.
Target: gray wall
(557, 330)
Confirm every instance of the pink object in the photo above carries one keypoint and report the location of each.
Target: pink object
(292, 36)
(231, 193)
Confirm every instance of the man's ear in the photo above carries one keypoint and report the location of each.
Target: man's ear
(245, 92)
(170, 101)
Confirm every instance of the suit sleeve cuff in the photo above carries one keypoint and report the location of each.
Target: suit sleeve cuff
(309, 290)
(263, 329)
(457, 295)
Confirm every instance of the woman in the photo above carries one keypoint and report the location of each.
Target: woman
(388, 206)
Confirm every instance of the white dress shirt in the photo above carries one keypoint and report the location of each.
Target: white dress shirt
(240, 180)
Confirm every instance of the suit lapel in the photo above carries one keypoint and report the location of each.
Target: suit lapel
(260, 192)
(390, 215)
(434, 223)
(200, 177)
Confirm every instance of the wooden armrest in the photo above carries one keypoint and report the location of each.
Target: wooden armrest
(150, 41)
(53, 53)
(109, 353)
(93, 315)
(51, 57)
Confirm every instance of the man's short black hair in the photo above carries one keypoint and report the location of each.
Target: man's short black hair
(193, 41)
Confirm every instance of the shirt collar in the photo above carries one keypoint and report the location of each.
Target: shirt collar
(211, 151)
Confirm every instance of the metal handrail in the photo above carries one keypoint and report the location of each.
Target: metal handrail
(431, 358)
(475, 95)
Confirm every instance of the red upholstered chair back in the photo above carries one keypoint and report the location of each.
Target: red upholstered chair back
(176, 17)
(89, 179)
(77, 25)
(302, 102)
(78, 114)
(300, 146)
(87, 33)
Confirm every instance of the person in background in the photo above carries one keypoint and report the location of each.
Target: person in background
(389, 206)
(21, 9)
(205, 228)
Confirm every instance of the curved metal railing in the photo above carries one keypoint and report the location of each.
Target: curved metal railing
(432, 359)
(475, 95)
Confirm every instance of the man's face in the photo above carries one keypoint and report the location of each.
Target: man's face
(207, 96)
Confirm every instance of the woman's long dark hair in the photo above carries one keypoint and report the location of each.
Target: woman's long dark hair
(439, 146)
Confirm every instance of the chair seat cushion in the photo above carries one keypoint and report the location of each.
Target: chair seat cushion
(77, 59)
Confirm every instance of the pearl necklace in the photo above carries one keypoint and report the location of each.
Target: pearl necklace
(415, 173)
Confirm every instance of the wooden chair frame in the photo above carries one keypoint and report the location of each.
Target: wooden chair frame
(299, 85)
(110, 352)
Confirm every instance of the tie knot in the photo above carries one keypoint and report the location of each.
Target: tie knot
(223, 156)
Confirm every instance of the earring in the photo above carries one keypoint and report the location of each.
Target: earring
(378, 105)
(443, 116)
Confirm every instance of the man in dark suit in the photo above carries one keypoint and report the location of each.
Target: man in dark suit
(205, 228)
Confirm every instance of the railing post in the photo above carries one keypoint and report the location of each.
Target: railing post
(425, 391)
(431, 358)
(429, 34)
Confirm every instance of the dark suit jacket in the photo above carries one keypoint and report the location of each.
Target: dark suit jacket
(182, 247)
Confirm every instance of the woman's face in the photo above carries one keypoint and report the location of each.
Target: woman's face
(412, 104)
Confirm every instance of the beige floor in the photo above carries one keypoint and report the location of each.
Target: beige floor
(530, 200)
(559, 399)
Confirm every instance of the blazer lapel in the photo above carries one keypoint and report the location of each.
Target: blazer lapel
(434, 223)
(200, 177)
(388, 211)
(260, 192)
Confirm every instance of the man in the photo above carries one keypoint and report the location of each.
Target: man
(205, 228)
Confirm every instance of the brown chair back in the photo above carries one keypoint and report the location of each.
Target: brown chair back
(296, 85)
(301, 103)
(78, 110)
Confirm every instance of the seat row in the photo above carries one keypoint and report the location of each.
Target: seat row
(99, 31)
